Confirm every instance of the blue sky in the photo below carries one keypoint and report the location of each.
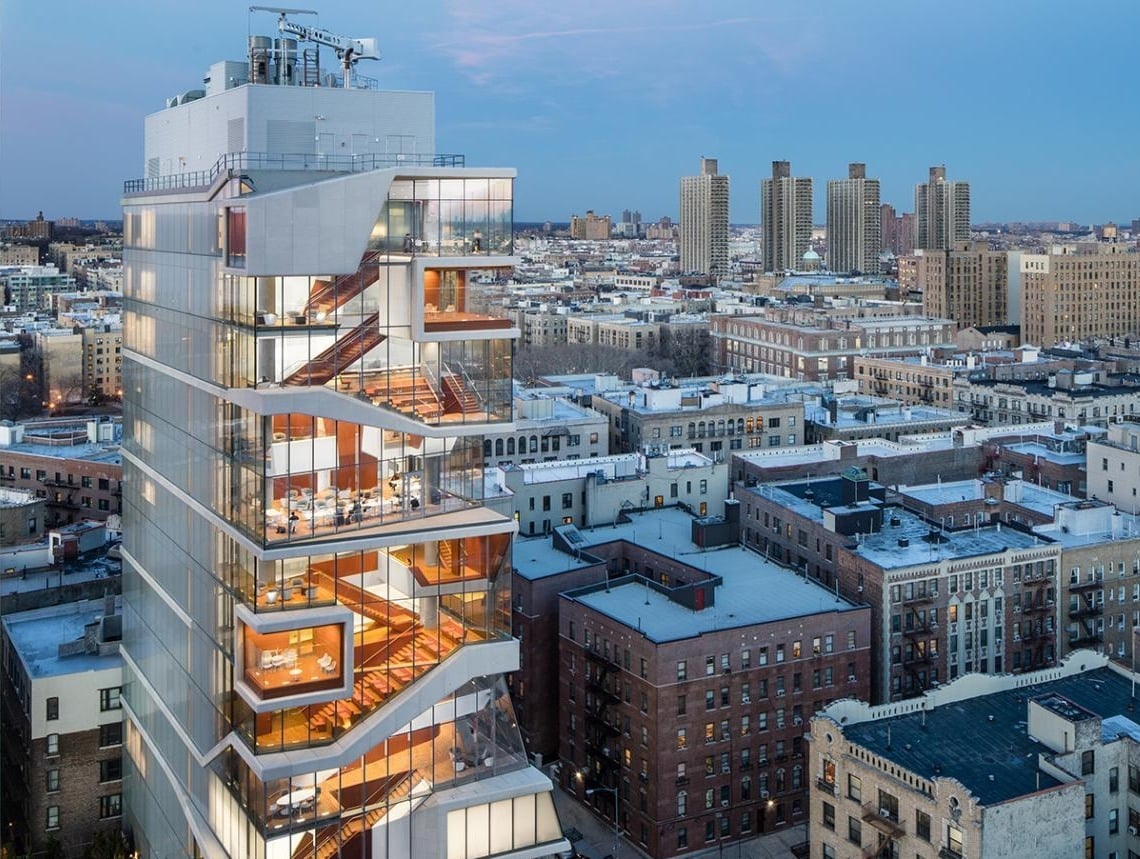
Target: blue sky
(603, 104)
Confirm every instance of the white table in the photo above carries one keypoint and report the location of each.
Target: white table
(300, 797)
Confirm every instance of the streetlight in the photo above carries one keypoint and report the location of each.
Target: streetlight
(590, 791)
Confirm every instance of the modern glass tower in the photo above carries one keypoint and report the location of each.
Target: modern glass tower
(317, 574)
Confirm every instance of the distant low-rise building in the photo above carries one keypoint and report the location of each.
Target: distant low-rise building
(714, 418)
(848, 418)
(816, 353)
(21, 516)
(74, 466)
(597, 491)
(591, 227)
(31, 286)
(1071, 396)
(547, 428)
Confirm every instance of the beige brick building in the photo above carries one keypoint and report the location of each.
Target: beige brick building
(1042, 764)
(1076, 292)
(967, 283)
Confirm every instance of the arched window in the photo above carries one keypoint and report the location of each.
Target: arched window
(534, 444)
(740, 426)
(720, 427)
(486, 447)
(522, 444)
(511, 446)
(498, 447)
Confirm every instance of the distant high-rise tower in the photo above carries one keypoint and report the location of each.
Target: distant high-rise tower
(942, 212)
(785, 215)
(854, 235)
(704, 221)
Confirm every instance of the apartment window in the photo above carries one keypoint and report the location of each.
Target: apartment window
(682, 670)
(1088, 762)
(52, 709)
(682, 739)
(109, 698)
(953, 840)
(644, 668)
(829, 816)
(854, 787)
(110, 806)
(1113, 821)
(854, 831)
(52, 744)
(52, 781)
(710, 666)
(111, 770)
(1090, 806)
(680, 705)
(1114, 780)
(922, 825)
(567, 500)
(51, 817)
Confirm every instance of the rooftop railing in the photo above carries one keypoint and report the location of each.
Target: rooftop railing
(234, 163)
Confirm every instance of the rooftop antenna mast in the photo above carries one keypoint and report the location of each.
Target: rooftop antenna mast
(348, 51)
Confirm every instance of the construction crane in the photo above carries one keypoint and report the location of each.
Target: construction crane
(347, 50)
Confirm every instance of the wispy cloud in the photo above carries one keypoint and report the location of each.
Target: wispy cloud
(523, 45)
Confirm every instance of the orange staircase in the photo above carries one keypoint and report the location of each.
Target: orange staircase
(327, 295)
(446, 554)
(342, 354)
(457, 396)
(349, 839)
(412, 393)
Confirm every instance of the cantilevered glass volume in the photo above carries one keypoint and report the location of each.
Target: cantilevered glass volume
(317, 574)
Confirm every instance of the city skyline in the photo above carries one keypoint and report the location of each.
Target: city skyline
(528, 86)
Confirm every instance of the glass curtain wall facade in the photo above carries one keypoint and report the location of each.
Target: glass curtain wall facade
(317, 593)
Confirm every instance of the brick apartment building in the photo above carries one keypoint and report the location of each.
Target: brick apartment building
(754, 344)
(683, 686)
(944, 599)
(75, 466)
(62, 726)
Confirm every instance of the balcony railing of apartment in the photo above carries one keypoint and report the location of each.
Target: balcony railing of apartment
(234, 163)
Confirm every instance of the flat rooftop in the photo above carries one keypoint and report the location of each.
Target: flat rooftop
(999, 761)
(745, 598)
(883, 549)
(37, 635)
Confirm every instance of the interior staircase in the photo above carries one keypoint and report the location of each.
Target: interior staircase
(457, 396)
(446, 554)
(347, 350)
(327, 295)
(349, 839)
